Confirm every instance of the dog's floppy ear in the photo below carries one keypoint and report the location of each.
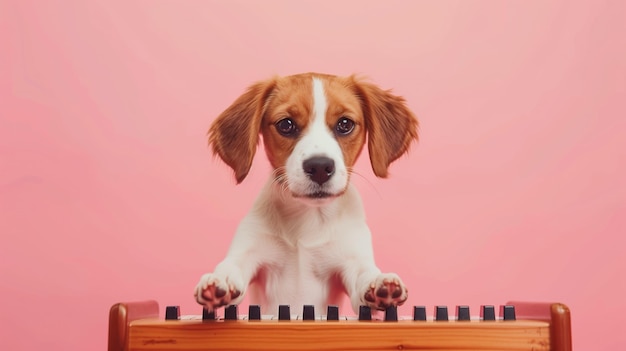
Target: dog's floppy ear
(391, 126)
(234, 135)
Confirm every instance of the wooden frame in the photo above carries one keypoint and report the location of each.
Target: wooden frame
(538, 326)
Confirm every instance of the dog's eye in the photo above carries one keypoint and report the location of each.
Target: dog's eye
(344, 126)
(287, 127)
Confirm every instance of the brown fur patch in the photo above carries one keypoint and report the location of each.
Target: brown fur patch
(292, 97)
(391, 126)
(342, 102)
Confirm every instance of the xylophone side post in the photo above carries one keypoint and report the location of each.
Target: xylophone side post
(120, 316)
(557, 314)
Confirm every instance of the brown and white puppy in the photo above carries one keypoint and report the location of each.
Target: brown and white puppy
(305, 241)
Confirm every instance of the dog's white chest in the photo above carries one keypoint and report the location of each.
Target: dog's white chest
(300, 272)
(304, 269)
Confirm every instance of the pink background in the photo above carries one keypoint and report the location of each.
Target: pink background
(108, 191)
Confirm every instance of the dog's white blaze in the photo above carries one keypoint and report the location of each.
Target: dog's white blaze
(319, 137)
(317, 140)
(320, 105)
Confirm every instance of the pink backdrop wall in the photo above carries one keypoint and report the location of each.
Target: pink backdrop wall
(108, 192)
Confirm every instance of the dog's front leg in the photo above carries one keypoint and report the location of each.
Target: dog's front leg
(225, 286)
(367, 285)
(228, 283)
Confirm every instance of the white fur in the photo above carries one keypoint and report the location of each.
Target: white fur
(295, 252)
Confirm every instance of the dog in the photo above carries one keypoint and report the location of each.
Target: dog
(305, 240)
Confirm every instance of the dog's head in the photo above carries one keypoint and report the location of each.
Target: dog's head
(314, 127)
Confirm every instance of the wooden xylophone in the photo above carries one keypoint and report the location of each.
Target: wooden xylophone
(518, 326)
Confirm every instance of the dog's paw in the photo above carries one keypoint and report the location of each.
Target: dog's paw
(386, 290)
(214, 291)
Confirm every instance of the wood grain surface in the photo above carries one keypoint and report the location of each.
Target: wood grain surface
(152, 334)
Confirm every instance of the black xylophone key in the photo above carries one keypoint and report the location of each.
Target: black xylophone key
(419, 313)
(254, 312)
(487, 313)
(333, 313)
(208, 316)
(172, 313)
(441, 313)
(230, 313)
(308, 313)
(283, 313)
(391, 313)
(462, 313)
(365, 313)
(507, 312)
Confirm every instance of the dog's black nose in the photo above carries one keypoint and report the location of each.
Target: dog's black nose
(319, 168)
